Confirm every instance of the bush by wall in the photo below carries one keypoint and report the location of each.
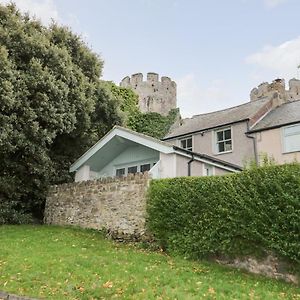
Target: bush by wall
(239, 214)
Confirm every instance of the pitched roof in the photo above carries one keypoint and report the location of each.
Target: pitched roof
(127, 134)
(288, 113)
(218, 118)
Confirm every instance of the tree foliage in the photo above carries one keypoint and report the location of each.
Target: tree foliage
(52, 108)
(152, 123)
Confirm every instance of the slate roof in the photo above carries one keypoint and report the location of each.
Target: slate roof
(216, 119)
(288, 113)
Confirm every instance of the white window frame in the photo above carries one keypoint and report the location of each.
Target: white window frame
(213, 170)
(185, 139)
(133, 166)
(120, 169)
(284, 135)
(215, 141)
(140, 167)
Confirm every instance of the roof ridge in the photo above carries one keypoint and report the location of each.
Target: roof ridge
(221, 110)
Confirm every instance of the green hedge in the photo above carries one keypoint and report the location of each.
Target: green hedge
(251, 212)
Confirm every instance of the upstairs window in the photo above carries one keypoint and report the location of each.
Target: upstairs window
(291, 138)
(187, 143)
(223, 140)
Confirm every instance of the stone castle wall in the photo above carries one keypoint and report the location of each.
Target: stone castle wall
(115, 204)
(277, 88)
(154, 95)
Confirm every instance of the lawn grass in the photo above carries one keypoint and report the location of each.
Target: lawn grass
(70, 263)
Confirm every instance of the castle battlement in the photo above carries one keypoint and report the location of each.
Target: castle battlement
(277, 88)
(151, 78)
(154, 95)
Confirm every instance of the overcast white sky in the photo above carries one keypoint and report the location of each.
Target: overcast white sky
(216, 50)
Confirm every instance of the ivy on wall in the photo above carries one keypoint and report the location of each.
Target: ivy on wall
(152, 123)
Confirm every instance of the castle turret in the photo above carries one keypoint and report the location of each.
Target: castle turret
(277, 90)
(154, 95)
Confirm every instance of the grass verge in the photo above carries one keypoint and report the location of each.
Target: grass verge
(70, 263)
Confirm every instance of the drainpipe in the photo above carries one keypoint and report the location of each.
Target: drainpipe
(254, 143)
(189, 165)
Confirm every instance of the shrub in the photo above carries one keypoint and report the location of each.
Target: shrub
(251, 212)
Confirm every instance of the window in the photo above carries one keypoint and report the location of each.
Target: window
(132, 170)
(291, 138)
(208, 170)
(187, 143)
(223, 140)
(120, 172)
(145, 168)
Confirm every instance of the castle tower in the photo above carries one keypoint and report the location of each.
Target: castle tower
(154, 95)
(277, 89)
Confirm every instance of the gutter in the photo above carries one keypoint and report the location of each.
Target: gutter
(208, 159)
(248, 135)
(189, 164)
(272, 127)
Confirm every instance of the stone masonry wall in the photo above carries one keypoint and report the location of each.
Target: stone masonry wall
(115, 204)
(277, 87)
(154, 95)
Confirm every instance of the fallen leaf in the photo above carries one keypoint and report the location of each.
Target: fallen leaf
(108, 284)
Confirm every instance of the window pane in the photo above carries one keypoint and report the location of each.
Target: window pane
(145, 168)
(208, 169)
(221, 147)
(227, 134)
(228, 145)
(220, 136)
(132, 170)
(292, 143)
(292, 130)
(187, 143)
(183, 144)
(120, 172)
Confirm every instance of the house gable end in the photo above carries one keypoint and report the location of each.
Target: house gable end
(124, 133)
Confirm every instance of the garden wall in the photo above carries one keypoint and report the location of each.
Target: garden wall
(115, 204)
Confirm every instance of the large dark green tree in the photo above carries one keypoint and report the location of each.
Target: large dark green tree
(52, 108)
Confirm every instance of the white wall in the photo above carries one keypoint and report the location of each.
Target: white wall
(167, 165)
(175, 165)
(83, 173)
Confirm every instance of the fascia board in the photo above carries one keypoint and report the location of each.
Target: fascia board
(145, 142)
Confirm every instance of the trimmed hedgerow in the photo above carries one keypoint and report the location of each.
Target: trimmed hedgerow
(251, 212)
